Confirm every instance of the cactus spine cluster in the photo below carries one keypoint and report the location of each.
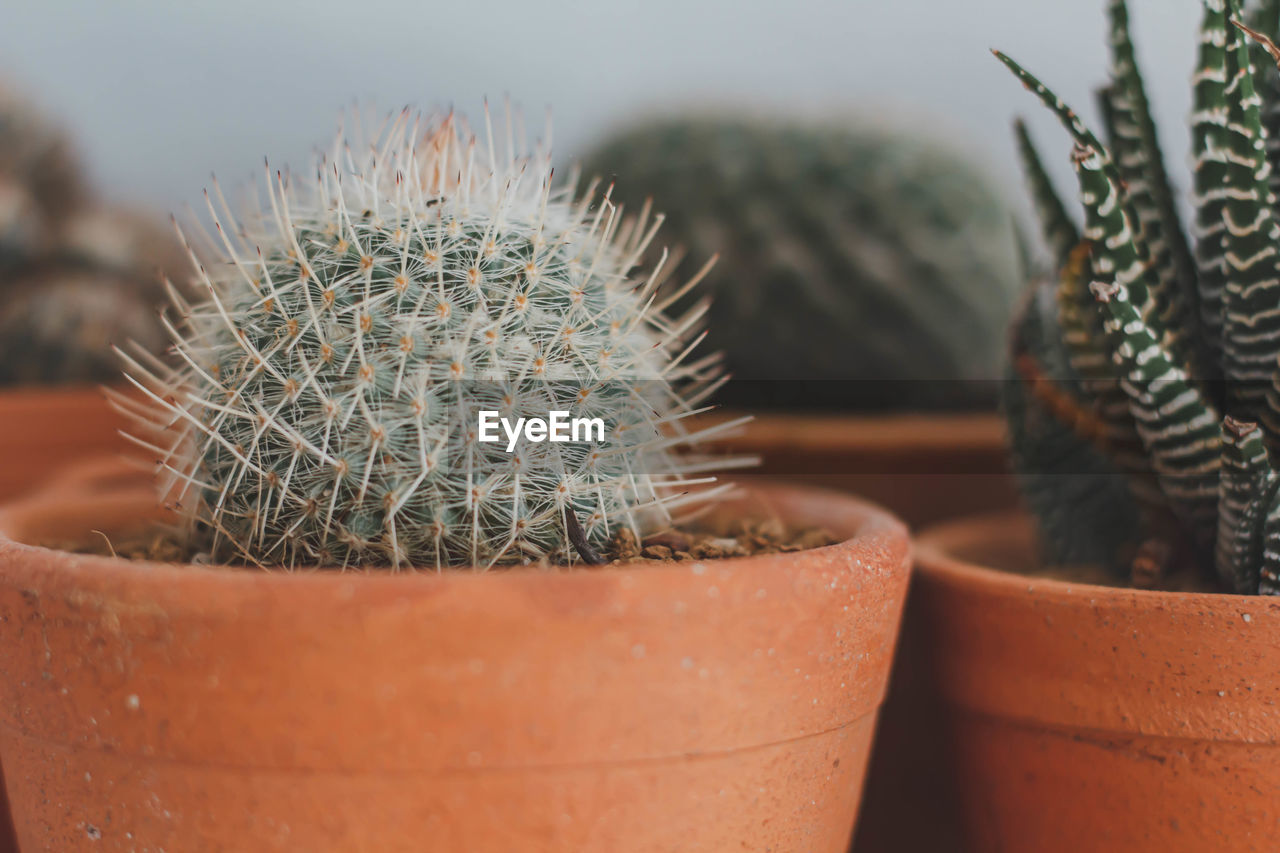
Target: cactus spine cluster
(325, 409)
(1162, 356)
(860, 253)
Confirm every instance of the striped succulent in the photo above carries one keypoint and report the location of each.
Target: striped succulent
(1158, 353)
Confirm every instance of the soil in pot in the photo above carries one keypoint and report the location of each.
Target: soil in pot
(1084, 717)
(702, 704)
(164, 543)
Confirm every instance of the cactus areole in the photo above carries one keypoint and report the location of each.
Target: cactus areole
(1169, 348)
(363, 334)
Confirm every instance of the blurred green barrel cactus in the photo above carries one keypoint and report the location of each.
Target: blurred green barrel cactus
(859, 268)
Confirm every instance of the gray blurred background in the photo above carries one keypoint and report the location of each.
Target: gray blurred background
(159, 94)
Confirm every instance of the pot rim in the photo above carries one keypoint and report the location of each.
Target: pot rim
(1094, 661)
(867, 432)
(935, 545)
(867, 521)
(31, 395)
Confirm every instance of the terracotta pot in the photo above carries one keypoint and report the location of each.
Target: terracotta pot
(1080, 717)
(720, 705)
(44, 429)
(922, 467)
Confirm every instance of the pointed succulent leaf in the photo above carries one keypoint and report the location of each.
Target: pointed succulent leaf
(1102, 96)
(1085, 343)
(1251, 295)
(1086, 509)
(1264, 21)
(1070, 120)
(1116, 256)
(1260, 309)
(1245, 491)
(1059, 229)
(1178, 426)
(1117, 259)
(1149, 190)
(1109, 222)
(1209, 144)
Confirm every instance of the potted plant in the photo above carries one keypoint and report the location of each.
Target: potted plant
(1080, 712)
(866, 277)
(75, 277)
(329, 408)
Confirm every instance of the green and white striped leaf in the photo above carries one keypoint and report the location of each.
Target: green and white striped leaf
(1109, 220)
(1209, 117)
(1251, 308)
(1265, 312)
(1137, 150)
(1265, 20)
(1178, 426)
(1070, 120)
(1083, 501)
(1246, 488)
(1056, 224)
(1085, 341)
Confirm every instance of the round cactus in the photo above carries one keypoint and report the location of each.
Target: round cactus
(328, 407)
(847, 257)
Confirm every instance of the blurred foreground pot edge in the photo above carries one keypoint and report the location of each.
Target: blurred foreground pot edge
(702, 705)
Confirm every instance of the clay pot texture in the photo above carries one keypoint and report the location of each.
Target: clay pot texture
(924, 468)
(719, 705)
(42, 430)
(1080, 717)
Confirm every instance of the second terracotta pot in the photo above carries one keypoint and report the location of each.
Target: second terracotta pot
(42, 430)
(697, 706)
(1078, 717)
(922, 467)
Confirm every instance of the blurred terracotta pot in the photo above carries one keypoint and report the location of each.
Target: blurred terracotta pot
(716, 705)
(44, 429)
(922, 467)
(1080, 717)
